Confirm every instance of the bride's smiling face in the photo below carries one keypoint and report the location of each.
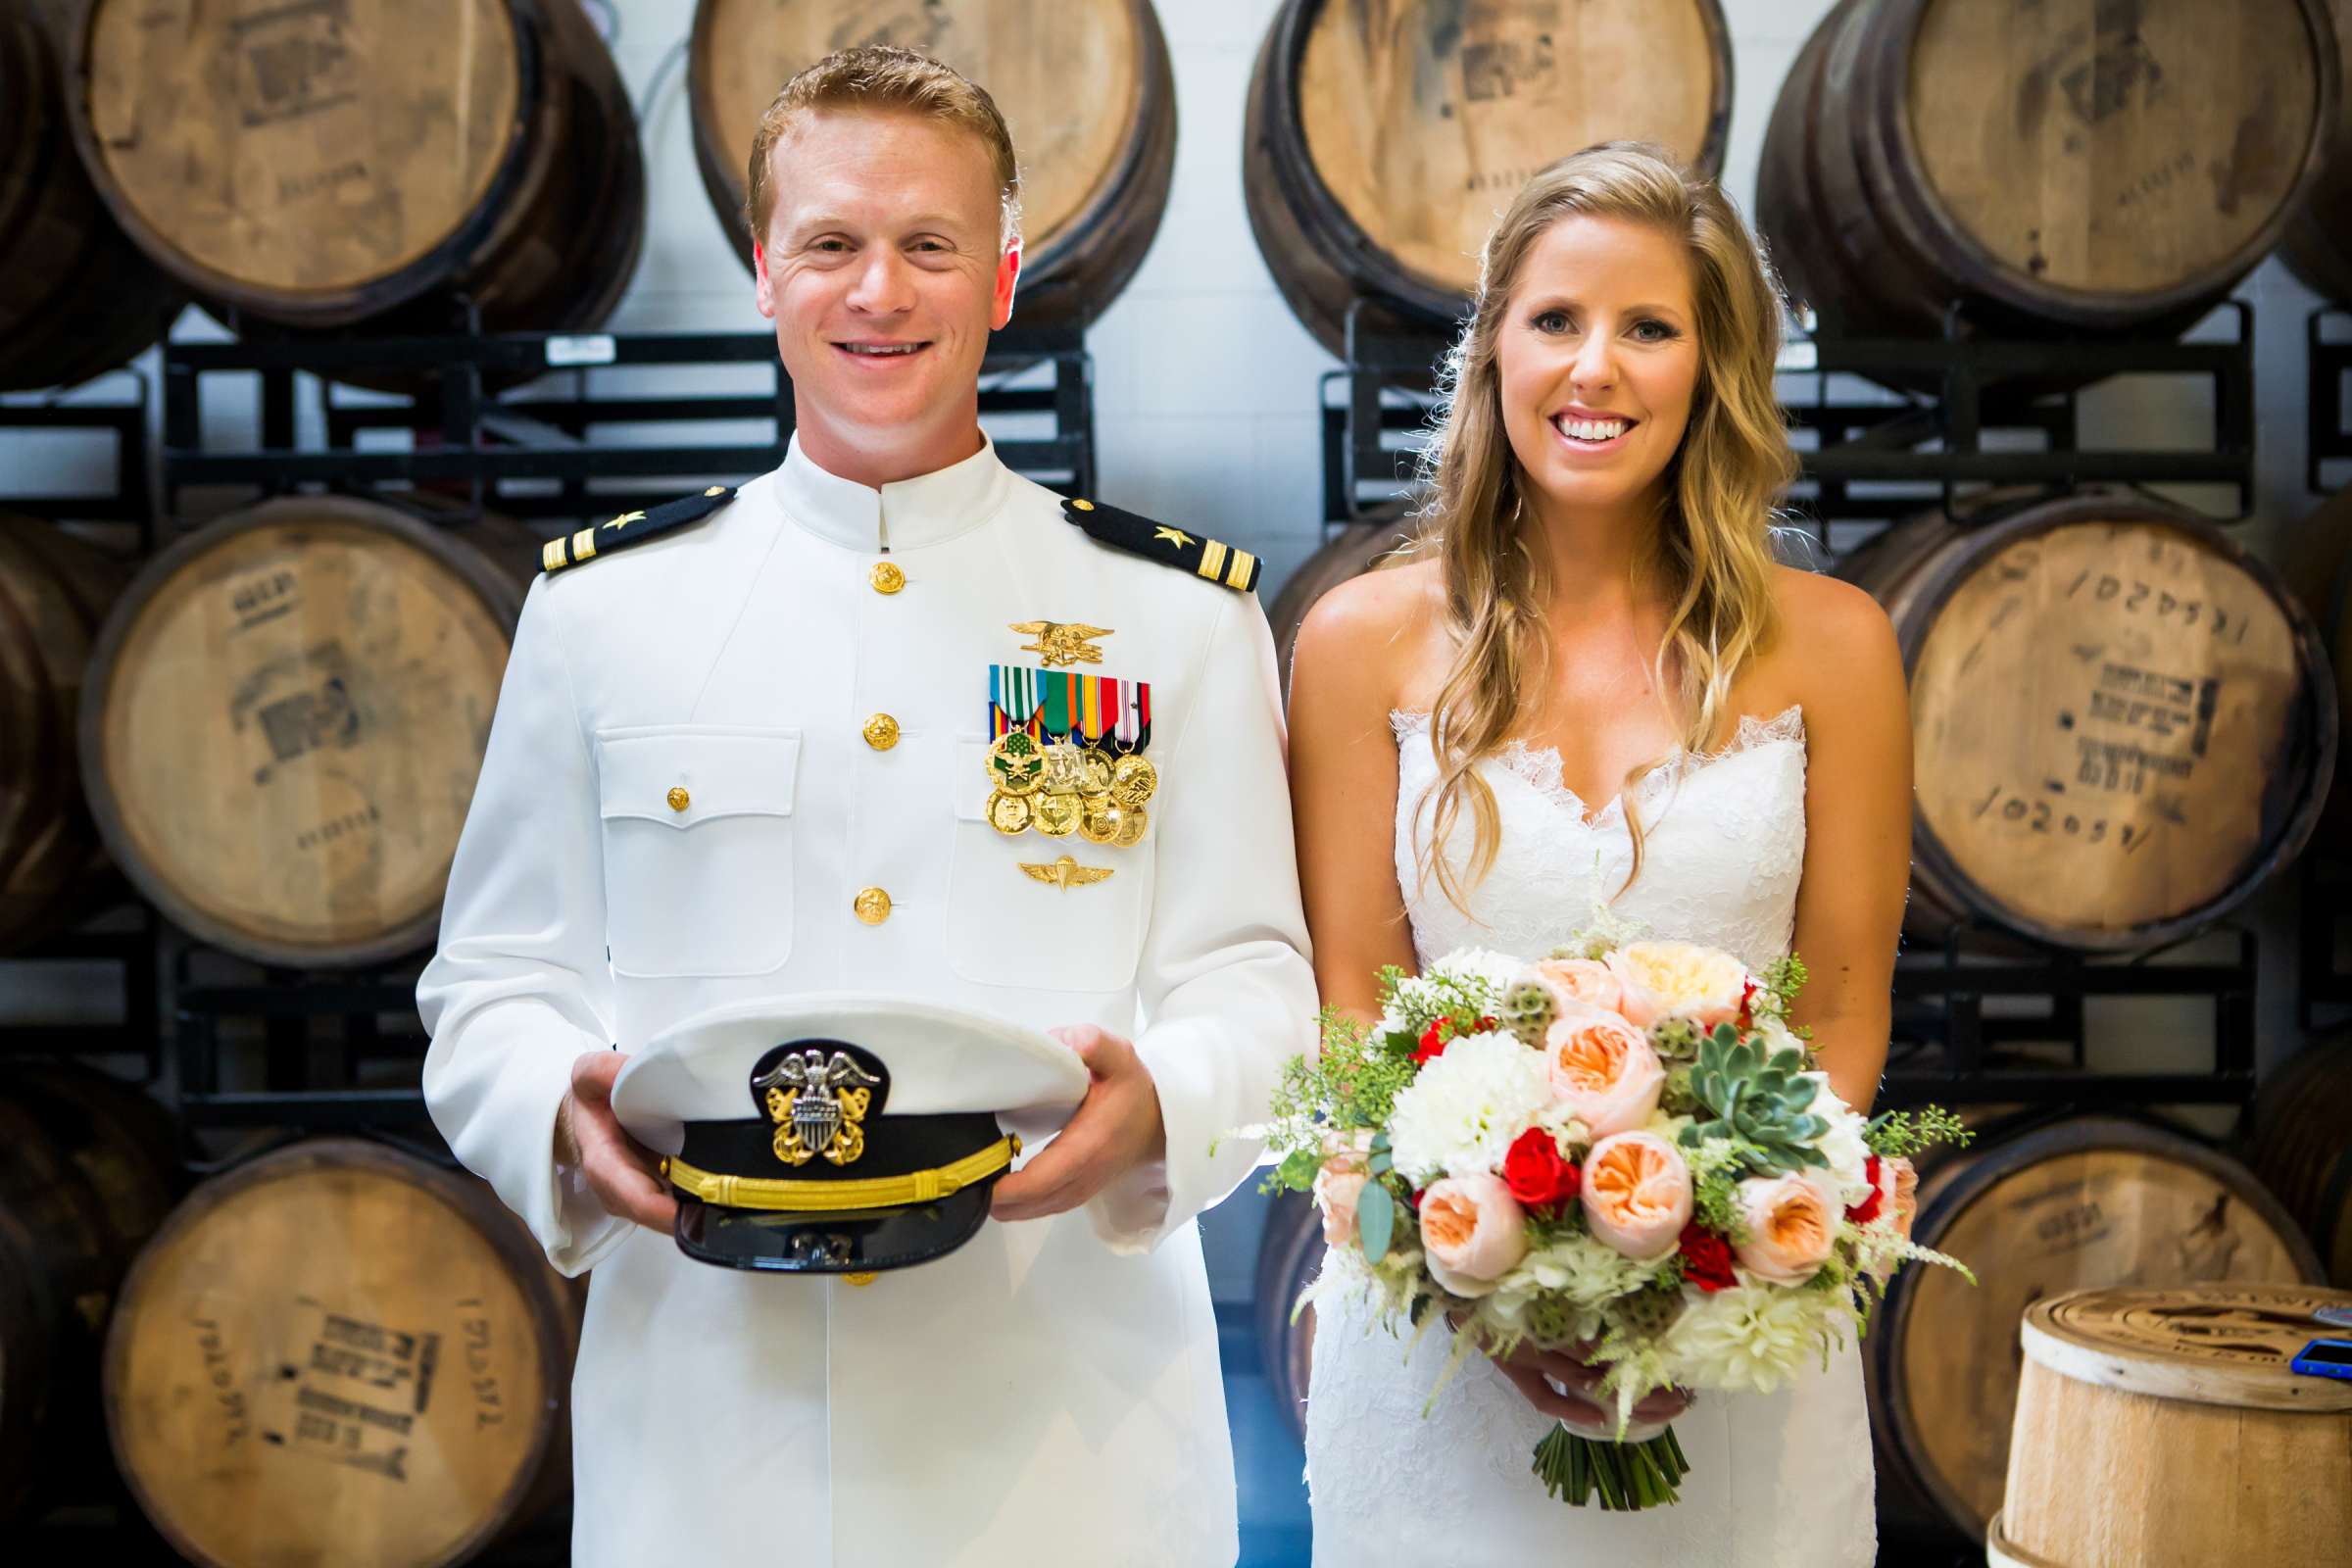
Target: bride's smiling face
(1598, 361)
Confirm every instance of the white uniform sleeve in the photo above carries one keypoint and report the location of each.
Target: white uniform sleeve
(1225, 982)
(520, 986)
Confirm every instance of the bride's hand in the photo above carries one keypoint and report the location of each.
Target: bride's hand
(1566, 1385)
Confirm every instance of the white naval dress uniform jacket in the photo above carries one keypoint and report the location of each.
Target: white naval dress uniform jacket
(1049, 1392)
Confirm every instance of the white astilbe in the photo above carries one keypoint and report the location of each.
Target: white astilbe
(1751, 1337)
(1459, 1117)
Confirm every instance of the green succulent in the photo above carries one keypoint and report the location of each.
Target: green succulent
(1761, 1103)
(1527, 1011)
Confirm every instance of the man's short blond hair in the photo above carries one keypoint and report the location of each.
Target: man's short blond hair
(883, 79)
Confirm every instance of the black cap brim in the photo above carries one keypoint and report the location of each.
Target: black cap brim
(838, 1242)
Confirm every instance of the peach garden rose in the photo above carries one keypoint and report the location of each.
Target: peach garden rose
(1791, 1223)
(1636, 1195)
(1473, 1231)
(1678, 980)
(1581, 980)
(1604, 1069)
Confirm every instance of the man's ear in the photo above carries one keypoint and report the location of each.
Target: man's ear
(1009, 278)
(763, 286)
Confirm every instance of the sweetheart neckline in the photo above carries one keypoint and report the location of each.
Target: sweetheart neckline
(1542, 770)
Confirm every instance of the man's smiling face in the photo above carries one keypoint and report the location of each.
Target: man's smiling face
(884, 269)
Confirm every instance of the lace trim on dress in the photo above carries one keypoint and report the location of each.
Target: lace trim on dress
(1541, 768)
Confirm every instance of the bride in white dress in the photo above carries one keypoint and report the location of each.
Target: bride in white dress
(1599, 620)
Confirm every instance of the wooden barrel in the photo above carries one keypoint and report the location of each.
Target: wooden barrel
(1374, 539)
(2316, 246)
(53, 592)
(2317, 565)
(338, 1352)
(87, 1168)
(320, 165)
(1383, 140)
(2166, 1429)
(2088, 1202)
(81, 298)
(1084, 86)
(2122, 722)
(2301, 1146)
(2082, 166)
(283, 721)
(1289, 1258)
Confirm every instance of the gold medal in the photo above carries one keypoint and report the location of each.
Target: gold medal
(1016, 763)
(1058, 815)
(1133, 820)
(1102, 819)
(1009, 814)
(1095, 771)
(1134, 780)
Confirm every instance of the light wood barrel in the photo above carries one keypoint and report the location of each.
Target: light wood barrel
(1383, 140)
(2165, 1429)
(53, 592)
(1370, 541)
(2066, 164)
(81, 298)
(2088, 1202)
(320, 165)
(285, 719)
(87, 1168)
(2122, 722)
(338, 1352)
(2301, 1146)
(1084, 86)
(2317, 247)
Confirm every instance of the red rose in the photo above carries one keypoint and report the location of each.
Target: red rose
(1538, 1176)
(1865, 1211)
(1707, 1259)
(1433, 1043)
(1747, 997)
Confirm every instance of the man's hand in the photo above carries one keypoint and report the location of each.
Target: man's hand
(621, 1171)
(1116, 1127)
(1566, 1385)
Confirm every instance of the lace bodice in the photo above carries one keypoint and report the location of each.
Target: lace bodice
(1723, 846)
(1402, 1471)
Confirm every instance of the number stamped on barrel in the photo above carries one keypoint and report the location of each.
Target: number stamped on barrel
(474, 1326)
(2002, 803)
(221, 1377)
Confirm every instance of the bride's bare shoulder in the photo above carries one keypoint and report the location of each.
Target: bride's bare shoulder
(1829, 635)
(1360, 638)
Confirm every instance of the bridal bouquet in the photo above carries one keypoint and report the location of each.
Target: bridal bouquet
(1622, 1152)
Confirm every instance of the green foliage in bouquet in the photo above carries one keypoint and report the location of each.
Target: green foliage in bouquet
(1907, 1132)
(1760, 1103)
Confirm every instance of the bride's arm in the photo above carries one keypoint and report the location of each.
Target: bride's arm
(1849, 905)
(1343, 680)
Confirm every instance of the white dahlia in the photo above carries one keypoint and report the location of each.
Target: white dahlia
(1458, 1117)
(1843, 1148)
(1750, 1338)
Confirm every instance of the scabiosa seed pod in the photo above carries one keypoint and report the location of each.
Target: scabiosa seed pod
(1528, 1012)
(1652, 1311)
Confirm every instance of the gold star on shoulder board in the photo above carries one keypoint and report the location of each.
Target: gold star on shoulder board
(1066, 874)
(625, 518)
(1060, 644)
(1175, 536)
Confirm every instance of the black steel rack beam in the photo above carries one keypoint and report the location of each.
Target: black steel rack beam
(132, 499)
(2329, 361)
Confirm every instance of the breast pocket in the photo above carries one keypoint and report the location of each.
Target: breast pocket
(1016, 919)
(698, 849)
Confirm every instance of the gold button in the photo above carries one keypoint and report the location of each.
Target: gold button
(862, 1279)
(873, 905)
(679, 800)
(887, 578)
(881, 732)
(1083, 506)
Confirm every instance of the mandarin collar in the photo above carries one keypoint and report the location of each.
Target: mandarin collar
(927, 510)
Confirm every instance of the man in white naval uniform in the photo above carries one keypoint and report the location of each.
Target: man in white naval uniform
(747, 759)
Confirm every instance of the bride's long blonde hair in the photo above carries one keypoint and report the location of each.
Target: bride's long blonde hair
(1710, 556)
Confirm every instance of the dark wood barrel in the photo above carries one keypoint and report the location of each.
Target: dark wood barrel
(2083, 167)
(2301, 1146)
(80, 297)
(88, 1168)
(1382, 140)
(2087, 1201)
(2122, 721)
(1289, 1258)
(337, 1344)
(1377, 537)
(53, 592)
(2317, 247)
(320, 165)
(283, 721)
(1084, 85)
(2317, 565)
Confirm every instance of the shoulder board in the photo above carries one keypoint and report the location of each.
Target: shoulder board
(632, 527)
(1164, 543)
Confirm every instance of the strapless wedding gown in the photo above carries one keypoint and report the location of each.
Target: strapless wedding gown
(1777, 1481)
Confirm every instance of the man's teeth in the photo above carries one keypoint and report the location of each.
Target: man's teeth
(1592, 429)
(881, 348)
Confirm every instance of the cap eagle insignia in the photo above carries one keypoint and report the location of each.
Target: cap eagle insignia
(818, 1106)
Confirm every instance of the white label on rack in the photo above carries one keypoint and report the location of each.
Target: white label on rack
(1794, 355)
(592, 348)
